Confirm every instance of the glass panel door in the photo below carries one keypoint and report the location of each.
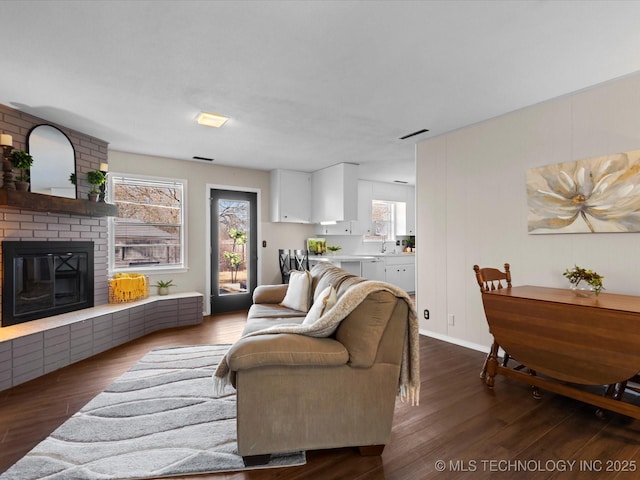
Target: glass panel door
(233, 249)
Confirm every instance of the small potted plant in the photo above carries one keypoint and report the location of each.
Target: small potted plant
(163, 286)
(591, 278)
(22, 161)
(96, 178)
(334, 249)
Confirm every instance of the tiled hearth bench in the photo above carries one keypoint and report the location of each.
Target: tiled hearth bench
(32, 349)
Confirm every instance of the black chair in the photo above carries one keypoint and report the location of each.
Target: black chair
(300, 260)
(292, 260)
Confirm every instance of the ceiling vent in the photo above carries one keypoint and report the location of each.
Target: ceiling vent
(419, 132)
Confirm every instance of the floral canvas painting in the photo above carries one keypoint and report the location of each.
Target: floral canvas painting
(586, 196)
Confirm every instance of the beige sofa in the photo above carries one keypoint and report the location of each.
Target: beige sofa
(297, 392)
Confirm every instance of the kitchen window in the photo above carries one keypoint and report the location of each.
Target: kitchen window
(148, 235)
(384, 218)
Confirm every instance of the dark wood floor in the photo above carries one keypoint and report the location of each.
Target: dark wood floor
(476, 432)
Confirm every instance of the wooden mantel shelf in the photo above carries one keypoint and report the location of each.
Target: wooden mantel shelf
(38, 202)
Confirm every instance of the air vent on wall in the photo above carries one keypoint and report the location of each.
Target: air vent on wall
(206, 159)
(424, 130)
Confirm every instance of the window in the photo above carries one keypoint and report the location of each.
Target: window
(388, 220)
(383, 219)
(149, 231)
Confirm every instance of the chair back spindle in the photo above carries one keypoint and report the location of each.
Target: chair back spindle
(492, 279)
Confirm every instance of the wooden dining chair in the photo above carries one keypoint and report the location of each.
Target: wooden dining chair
(490, 279)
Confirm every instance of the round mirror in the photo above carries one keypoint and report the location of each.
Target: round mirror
(54, 160)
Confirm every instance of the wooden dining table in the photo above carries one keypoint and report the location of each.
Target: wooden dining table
(567, 342)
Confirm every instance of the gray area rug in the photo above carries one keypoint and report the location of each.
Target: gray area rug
(159, 419)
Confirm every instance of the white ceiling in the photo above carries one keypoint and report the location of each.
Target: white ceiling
(306, 84)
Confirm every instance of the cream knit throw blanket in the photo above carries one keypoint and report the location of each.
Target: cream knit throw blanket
(409, 384)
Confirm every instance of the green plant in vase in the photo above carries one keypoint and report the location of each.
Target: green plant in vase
(579, 274)
(163, 286)
(96, 178)
(22, 161)
(334, 249)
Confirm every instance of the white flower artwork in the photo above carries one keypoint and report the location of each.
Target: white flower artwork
(599, 194)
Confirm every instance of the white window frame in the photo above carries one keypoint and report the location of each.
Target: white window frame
(391, 237)
(149, 269)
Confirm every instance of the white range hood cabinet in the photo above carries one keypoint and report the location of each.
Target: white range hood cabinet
(334, 193)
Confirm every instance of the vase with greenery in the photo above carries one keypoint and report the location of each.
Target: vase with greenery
(334, 249)
(96, 178)
(22, 161)
(163, 286)
(591, 278)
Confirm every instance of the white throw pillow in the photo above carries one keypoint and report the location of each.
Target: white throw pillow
(325, 301)
(298, 294)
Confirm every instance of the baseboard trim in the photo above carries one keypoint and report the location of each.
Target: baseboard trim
(456, 341)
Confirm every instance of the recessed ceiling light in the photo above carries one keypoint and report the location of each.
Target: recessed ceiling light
(211, 119)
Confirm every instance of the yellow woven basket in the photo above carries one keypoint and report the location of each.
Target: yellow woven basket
(128, 287)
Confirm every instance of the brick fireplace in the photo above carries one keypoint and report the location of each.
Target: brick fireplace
(25, 225)
(40, 346)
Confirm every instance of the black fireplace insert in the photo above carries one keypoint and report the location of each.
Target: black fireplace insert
(42, 279)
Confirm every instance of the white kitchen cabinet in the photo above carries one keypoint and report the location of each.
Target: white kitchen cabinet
(290, 196)
(365, 196)
(401, 272)
(339, 228)
(390, 192)
(353, 267)
(374, 270)
(334, 193)
(411, 211)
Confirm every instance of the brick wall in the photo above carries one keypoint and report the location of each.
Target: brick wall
(25, 225)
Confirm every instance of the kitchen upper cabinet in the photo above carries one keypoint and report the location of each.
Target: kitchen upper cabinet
(290, 196)
(407, 212)
(411, 211)
(339, 228)
(391, 192)
(334, 193)
(365, 195)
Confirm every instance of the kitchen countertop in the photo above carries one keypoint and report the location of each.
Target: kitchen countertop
(355, 257)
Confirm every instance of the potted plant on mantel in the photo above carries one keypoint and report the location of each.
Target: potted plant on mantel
(22, 161)
(96, 178)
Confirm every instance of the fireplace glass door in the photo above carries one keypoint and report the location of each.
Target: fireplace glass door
(47, 281)
(42, 279)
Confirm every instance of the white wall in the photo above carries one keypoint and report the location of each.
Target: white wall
(198, 175)
(472, 206)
